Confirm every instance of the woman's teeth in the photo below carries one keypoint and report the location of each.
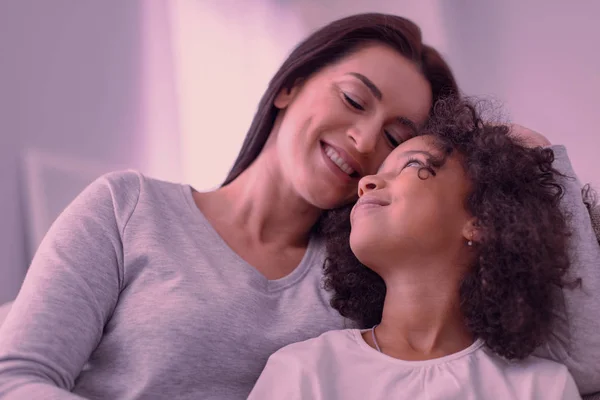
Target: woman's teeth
(339, 161)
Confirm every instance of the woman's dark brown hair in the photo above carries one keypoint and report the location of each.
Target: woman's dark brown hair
(330, 44)
(521, 259)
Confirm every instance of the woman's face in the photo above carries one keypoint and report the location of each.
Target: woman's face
(411, 210)
(340, 124)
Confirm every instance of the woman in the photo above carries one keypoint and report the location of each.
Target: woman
(150, 289)
(464, 243)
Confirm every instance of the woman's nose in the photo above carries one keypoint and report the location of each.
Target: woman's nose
(364, 137)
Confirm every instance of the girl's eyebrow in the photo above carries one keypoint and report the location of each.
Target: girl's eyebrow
(408, 153)
(411, 152)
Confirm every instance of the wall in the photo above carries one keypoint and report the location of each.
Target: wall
(69, 86)
(225, 52)
(539, 58)
(165, 87)
(428, 14)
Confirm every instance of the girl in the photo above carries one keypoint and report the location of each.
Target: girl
(463, 245)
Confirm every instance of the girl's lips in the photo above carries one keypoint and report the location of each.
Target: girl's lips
(368, 202)
(371, 200)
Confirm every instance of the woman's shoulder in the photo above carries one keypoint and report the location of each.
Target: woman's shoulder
(133, 181)
(121, 194)
(131, 186)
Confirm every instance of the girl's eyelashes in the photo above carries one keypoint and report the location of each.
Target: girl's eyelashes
(412, 160)
(353, 103)
(420, 164)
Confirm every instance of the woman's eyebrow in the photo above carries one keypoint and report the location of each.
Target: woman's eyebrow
(369, 84)
(379, 96)
(409, 123)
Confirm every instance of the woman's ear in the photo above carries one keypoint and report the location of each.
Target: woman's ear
(286, 95)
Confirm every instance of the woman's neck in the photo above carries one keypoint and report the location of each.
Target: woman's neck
(260, 202)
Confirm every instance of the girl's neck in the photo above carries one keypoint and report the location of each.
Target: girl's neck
(422, 321)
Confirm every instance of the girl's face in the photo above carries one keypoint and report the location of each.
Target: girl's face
(341, 123)
(410, 208)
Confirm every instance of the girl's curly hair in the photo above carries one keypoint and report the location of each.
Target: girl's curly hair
(508, 296)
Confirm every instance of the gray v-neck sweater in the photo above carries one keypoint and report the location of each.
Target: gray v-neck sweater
(133, 283)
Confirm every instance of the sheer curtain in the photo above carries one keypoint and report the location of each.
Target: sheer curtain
(207, 64)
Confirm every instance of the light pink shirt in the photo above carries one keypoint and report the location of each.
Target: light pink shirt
(341, 365)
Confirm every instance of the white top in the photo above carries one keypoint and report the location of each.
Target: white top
(341, 365)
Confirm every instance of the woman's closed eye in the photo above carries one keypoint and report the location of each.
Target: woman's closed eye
(352, 102)
(391, 139)
(356, 104)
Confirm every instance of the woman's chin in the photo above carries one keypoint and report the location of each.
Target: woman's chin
(330, 202)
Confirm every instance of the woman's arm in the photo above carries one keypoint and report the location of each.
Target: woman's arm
(69, 293)
(576, 338)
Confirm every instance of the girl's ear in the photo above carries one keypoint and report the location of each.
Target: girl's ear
(471, 231)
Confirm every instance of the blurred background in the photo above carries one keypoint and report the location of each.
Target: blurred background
(169, 87)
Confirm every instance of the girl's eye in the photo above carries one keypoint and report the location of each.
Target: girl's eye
(353, 103)
(413, 162)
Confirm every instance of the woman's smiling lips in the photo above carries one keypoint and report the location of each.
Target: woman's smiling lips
(341, 163)
(368, 202)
